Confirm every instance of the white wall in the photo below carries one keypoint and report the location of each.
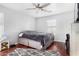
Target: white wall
(15, 22)
(1, 24)
(63, 24)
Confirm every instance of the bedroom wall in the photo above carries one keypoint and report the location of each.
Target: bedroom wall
(15, 22)
(63, 24)
(1, 24)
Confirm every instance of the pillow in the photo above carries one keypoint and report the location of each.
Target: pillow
(20, 35)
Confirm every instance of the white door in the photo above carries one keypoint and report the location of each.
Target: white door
(74, 41)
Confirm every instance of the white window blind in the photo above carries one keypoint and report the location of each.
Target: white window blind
(51, 26)
(1, 24)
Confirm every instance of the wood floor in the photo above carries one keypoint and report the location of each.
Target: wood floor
(56, 46)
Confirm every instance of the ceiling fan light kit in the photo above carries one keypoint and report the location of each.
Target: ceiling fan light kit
(40, 6)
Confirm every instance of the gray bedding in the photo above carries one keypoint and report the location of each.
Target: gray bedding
(44, 38)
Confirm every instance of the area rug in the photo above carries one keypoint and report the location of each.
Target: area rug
(32, 52)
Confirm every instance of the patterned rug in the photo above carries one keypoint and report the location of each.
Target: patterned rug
(32, 52)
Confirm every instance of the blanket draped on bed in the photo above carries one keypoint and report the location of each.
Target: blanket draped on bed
(44, 38)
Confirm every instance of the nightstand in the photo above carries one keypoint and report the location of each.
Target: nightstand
(4, 44)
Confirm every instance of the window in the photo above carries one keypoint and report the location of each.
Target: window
(51, 24)
(1, 24)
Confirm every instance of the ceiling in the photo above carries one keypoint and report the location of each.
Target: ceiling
(54, 7)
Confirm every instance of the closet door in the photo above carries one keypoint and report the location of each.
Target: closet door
(74, 41)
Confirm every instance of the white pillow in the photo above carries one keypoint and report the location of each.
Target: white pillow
(20, 35)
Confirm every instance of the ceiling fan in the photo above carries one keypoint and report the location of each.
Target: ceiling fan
(40, 6)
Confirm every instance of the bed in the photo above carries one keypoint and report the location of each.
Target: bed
(34, 39)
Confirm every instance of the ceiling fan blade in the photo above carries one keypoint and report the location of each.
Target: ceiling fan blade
(30, 8)
(38, 4)
(34, 4)
(45, 10)
(45, 5)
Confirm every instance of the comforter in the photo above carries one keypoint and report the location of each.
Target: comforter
(46, 39)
